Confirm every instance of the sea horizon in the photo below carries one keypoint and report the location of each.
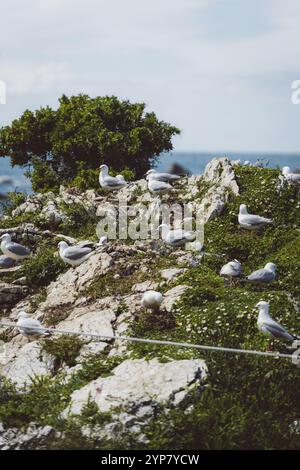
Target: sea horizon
(192, 160)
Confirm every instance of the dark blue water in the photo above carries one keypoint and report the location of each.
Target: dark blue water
(195, 162)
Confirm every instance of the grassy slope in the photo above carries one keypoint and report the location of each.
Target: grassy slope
(251, 401)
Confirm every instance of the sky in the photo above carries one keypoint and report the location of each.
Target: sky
(220, 70)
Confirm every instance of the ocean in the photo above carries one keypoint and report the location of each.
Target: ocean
(195, 162)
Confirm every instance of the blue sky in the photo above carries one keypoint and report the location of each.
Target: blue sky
(221, 70)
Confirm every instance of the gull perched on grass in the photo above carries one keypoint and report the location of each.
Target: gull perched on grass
(177, 237)
(266, 274)
(250, 221)
(231, 270)
(30, 327)
(289, 176)
(74, 255)
(13, 250)
(152, 300)
(110, 183)
(270, 327)
(6, 262)
(166, 177)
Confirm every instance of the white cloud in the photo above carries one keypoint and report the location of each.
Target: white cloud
(219, 69)
(23, 78)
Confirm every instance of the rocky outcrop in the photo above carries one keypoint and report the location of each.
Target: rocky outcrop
(10, 294)
(140, 388)
(67, 288)
(29, 362)
(34, 437)
(50, 207)
(220, 178)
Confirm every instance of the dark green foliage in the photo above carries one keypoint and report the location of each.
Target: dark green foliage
(64, 348)
(42, 268)
(87, 130)
(80, 223)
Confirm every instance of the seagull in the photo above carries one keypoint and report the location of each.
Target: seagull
(103, 241)
(13, 250)
(249, 221)
(6, 262)
(266, 274)
(30, 327)
(289, 176)
(177, 237)
(158, 187)
(231, 270)
(166, 177)
(270, 327)
(74, 255)
(110, 183)
(152, 300)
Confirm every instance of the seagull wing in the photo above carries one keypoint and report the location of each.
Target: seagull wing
(261, 275)
(76, 252)
(156, 185)
(251, 219)
(17, 249)
(165, 177)
(276, 330)
(112, 181)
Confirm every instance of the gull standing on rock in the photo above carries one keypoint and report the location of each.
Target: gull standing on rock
(30, 327)
(110, 183)
(177, 237)
(74, 255)
(13, 250)
(152, 300)
(270, 327)
(159, 187)
(250, 221)
(231, 270)
(266, 274)
(166, 177)
(289, 176)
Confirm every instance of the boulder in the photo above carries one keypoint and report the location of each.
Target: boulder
(139, 387)
(10, 294)
(65, 290)
(29, 362)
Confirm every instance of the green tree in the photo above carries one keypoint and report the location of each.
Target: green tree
(86, 131)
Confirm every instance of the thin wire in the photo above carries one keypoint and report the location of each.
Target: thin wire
(156, 341)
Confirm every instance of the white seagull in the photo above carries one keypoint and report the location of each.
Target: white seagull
(231, 270)
(250, 221)
(152, 300)
(74, 255)
(177, 237)
(266, 274)
(13, 250)
(289, 176)
(158, 187)
(30, 327)
(166, 177)
(270, 327)
(110, 183)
